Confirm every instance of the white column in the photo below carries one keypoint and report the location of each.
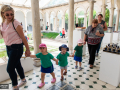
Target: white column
(43, 23)
(36, 25)
(76, 19)
(91, 8)
(103, 11)
(63, 21)
(117, 20)
(85, 20)
(56, 23)
(96, 17)
(111, 16)
(26, 22)
(49, 28)
(103, 8)
(71, 25)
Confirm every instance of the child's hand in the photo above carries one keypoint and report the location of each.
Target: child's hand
(73, 55)
(57, 62)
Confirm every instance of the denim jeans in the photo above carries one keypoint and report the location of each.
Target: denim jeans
(14, 53)
(97, 51)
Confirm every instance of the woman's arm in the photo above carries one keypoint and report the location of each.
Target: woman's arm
(85, 37)
(21, 34)
(105, 29)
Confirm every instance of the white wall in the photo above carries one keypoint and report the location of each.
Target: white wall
(19, 15)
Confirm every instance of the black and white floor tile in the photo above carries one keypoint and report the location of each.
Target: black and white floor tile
(87, 79)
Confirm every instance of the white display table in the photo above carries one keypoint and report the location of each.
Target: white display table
(110, 68)
(27, 64)
(78, 34)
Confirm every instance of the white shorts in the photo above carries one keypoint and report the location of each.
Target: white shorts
(63, 67)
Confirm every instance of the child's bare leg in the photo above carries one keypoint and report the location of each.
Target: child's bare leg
(80, 64)
(76, 63)
(53, 74)
(65, 70)
(42, 77)
(62, 72)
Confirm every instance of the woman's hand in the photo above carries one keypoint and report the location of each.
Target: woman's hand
(97, 33)
(84, 42)
(27, 53)
(102, 26)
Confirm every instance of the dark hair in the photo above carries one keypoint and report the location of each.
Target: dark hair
(95, 21)
(100, 15)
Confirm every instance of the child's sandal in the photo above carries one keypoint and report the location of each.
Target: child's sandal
(62, 78)
(41, 85)
(64, 73)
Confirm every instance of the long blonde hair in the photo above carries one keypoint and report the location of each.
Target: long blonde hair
(5, 8)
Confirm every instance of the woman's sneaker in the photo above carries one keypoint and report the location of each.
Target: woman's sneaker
(15, 88)
(22, 83)
(41, 85)
(76, 67)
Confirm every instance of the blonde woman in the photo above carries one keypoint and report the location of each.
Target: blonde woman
(13, 36)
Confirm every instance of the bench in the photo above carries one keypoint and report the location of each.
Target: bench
(27, 64)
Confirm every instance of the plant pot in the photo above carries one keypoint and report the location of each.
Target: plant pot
(37, 62)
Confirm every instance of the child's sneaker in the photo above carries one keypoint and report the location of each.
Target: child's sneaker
(80, 68)
(76, 67)
(53, 80)
(41, 85)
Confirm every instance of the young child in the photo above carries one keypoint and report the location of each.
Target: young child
(46, 64)
(62, 57)
(60, 34)
(78, 54)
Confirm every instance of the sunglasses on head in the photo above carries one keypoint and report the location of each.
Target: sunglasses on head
(9, 15)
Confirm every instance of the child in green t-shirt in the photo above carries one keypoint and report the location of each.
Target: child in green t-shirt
(46, 64)
(62, 57)
(78, 54)
(60, 33)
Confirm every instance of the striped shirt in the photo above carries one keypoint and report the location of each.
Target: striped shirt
(9, 34)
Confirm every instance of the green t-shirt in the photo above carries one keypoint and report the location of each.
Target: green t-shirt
(63, 59)
(60, 34)
(78, 50)
(45, 59)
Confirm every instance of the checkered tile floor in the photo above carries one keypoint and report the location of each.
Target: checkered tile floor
(87, 79)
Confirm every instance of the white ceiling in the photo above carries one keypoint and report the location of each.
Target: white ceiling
(27, 3)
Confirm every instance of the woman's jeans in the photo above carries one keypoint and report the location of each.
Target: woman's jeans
(14, 53)
(99, 45)
(92, 50)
